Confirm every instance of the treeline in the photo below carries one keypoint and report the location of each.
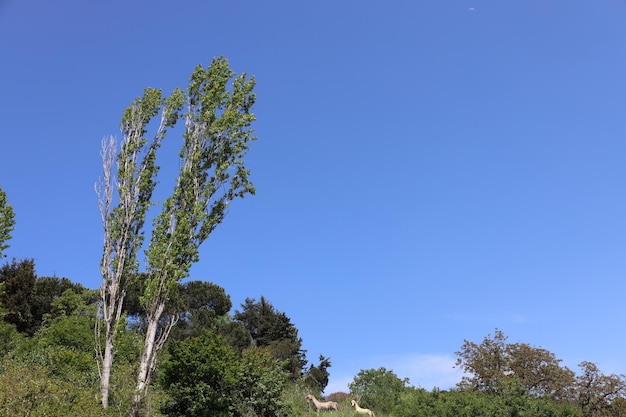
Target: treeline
(214, 363)
(500, 380)
(250, 363)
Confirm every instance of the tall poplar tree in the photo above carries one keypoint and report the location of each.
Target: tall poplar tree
(216, 109)
(131, 174)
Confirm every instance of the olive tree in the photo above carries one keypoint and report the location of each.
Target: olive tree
(491, 365)
(599, 394)
(485, 364)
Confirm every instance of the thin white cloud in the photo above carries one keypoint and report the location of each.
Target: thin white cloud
(423, 371)
(426, 370)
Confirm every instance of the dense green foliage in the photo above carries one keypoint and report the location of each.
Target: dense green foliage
(261, 381)
(226, 365)
(18, 283)
(30, 389)
(28, 300)
(513, 403)
(379, 389)
(200, 377)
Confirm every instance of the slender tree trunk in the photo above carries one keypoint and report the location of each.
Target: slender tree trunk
(111, 320)
(148, 358)
(107, 361)
(109, 288)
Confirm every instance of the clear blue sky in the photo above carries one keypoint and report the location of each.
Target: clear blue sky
(427, 170)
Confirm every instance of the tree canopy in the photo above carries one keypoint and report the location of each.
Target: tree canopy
(273, 329)
(379, 389)
(18, 279)
(491, 363)
(7, 221)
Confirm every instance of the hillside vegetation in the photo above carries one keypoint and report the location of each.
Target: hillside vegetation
(250, 362)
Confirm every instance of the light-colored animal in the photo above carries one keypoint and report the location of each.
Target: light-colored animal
(328, 405)
(362, 410)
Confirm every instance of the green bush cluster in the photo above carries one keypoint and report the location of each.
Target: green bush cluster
(456, 403)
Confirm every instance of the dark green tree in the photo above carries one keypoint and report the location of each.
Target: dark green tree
(7, 221)
(273, 329)
(234, 332)
(202, 306)
(28, 299)
(18, 281)
(316, 377)
(202, 295)
(49, 289)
